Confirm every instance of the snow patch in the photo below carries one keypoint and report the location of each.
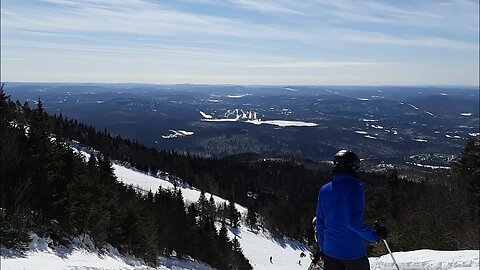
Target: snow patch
(239, 115)
(370, 120)
(466, 114)
(206, 116)
(453, 137)
(282, 123)
(177, 133)
(237, 96)
(221, 120)
(376, 127)
(411, 105)
(429, 166)
(429, 260)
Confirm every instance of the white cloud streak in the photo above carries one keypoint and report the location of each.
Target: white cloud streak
(282, 36)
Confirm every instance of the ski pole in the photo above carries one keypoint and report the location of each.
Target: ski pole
(391, 254)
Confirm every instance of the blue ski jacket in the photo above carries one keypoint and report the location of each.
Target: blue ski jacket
(341, 233)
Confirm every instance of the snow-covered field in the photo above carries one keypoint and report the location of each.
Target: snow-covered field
(251, 118)
(258, 247)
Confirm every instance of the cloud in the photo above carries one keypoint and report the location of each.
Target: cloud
(266, 6)
(268, 37)
(135, 17)
(12, 59)
(417, 41)
(322, 64)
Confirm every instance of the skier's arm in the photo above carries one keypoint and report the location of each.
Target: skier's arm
(355, 217)
(320, 226)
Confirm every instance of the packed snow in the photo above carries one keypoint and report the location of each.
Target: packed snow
(82, 255)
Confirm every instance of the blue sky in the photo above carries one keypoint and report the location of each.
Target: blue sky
(241, 41)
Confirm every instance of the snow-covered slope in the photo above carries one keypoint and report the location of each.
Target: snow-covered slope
(285, 253)
(81, 255)
(258, 247)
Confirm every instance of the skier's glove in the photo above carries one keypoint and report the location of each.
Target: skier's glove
(317, 256)
(380, 230)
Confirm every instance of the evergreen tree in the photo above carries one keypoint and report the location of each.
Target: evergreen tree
(467, 176)
(233, 214)
(251, 218)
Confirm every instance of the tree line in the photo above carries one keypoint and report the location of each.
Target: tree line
(52, 190)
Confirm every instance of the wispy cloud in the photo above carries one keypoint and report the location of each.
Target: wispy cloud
(267, 6)
(135, 17)
(228, 36)
(12, 59)
(326, 64)
(417, 41)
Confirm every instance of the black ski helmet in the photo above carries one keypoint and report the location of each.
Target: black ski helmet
(346, 161)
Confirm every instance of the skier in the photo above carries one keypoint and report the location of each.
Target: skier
(341, 232)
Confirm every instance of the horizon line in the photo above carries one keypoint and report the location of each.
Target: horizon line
(239, 84)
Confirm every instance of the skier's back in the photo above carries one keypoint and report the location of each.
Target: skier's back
(341, 233)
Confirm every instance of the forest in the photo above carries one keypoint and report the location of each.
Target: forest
(48, 188)
(52, 190)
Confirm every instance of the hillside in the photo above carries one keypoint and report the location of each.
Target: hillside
(257, 247)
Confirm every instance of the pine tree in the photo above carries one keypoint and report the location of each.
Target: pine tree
(251, 218)
(467, 176)
(233, 214)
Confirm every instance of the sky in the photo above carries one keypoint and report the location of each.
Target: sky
(279, 42)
